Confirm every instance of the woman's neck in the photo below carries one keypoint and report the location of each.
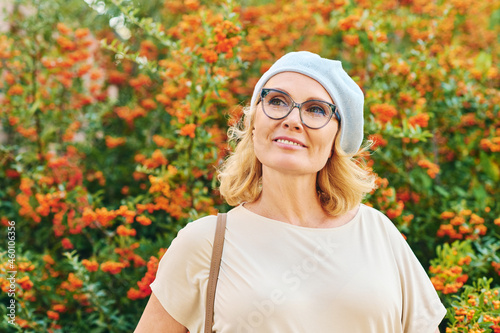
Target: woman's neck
(293, 199)
(289, 198)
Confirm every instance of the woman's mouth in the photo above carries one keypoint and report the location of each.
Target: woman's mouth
(289, 142)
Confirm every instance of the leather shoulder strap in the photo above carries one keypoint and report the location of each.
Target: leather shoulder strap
(214, 270)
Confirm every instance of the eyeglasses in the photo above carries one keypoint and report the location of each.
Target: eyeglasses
(314, 114)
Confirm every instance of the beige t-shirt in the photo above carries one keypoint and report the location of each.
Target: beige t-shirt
(277, 277)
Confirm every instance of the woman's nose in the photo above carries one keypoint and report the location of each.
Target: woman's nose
(293, 120)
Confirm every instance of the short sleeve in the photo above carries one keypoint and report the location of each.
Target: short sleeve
(422, 308)
(181, 280)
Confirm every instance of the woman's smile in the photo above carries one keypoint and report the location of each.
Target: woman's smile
(287, 142)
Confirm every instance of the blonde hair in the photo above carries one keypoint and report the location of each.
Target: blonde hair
(341, 184)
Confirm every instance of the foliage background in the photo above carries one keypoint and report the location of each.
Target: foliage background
(114, 116)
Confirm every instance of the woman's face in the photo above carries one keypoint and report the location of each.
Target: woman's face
(287, 145)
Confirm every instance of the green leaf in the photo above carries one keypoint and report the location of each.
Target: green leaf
(441, 190)
(489, 167)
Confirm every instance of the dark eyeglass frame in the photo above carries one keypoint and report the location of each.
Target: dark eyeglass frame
(265, 91)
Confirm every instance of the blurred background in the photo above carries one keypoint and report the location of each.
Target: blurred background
(113, 120)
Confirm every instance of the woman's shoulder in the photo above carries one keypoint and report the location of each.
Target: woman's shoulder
(383, 231)
(204, 227)
(197, 230)
(196, 236)
(376, 219)
(193, 242)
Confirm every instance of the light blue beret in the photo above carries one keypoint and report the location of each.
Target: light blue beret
(344, 92)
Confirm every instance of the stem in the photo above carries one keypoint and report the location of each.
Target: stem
(59, 135)
(435, 152)
(34, 86)
(191, 143)
(406, 167)
(38, 125)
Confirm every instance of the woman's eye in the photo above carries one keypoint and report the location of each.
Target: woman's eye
(316, 111)
(277, 102)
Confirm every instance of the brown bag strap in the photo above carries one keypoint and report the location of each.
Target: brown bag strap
(214, 270)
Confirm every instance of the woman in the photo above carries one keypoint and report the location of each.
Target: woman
(301, 253)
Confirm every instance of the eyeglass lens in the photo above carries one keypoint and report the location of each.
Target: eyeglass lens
(277, 105)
